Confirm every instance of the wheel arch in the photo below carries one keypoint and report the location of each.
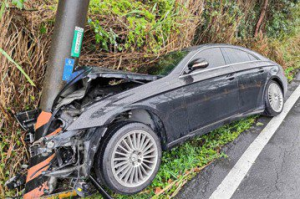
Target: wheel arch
(278, 81)
(268, 110)
(145, 116)
(272, 78)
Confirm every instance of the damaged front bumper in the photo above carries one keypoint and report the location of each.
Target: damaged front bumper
(56, 153)
(74, 152)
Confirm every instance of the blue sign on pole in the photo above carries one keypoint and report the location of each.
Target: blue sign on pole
(68, 69)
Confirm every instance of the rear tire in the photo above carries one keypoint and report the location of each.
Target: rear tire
(273, 99)
(129, 158)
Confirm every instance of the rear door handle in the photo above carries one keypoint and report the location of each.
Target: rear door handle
(261, 70)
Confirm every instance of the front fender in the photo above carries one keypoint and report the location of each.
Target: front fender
(278, 75)
(98, 114)
(101, 115)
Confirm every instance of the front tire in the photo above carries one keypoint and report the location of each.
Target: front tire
(129, 159)
(273, 99)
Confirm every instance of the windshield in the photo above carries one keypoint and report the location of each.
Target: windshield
(165, 64)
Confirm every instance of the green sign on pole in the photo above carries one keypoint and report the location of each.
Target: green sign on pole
(77, 42)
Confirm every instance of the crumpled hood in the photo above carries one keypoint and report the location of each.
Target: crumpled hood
(91, 73)
(110, 73)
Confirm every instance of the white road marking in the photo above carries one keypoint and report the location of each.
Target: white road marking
(233, 179)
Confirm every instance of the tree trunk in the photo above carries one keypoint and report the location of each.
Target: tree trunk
(261, 18)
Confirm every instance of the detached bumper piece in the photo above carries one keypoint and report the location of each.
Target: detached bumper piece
(27, 120)
(16, 181)
(38, 185)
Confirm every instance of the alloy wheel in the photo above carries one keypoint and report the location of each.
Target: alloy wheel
(275, 97)
(134, 158)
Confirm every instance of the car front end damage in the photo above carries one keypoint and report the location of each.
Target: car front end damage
(74, 152)
(71, 152)
(67, 157)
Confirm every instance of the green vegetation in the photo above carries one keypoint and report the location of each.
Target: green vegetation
(289, 44)
(18, 3)
(17, 65)
(148, 24)
(283, 20)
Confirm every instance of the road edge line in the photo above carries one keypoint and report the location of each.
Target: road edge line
(234, 178)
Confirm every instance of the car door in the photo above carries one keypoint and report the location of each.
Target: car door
(171, 106)
(211, 94)
(165, 95)
(251, 75)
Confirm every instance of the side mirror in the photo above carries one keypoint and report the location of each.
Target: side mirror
(198, 64)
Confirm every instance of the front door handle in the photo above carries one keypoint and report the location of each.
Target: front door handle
(230, 77)
(261, 70)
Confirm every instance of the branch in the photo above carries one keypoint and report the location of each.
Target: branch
(261, 18)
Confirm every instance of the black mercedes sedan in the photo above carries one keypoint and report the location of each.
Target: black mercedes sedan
(115, 124)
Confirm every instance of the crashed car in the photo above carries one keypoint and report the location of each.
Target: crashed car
(115, 124)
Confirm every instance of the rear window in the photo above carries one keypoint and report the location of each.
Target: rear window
(232, 56)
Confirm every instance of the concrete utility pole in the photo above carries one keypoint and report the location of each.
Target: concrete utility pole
(70, 14)
(64, 53)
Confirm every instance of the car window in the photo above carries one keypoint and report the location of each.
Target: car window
(232, 55)
(252, 58)
(164, 65)
(213, 56)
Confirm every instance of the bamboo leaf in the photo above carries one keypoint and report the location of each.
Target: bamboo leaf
(17, 65)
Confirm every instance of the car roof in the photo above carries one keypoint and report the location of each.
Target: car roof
(199, 47)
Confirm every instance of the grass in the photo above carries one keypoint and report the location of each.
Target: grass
(182, 163)
(17, 65)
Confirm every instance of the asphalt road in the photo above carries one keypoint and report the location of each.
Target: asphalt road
(276, 171)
